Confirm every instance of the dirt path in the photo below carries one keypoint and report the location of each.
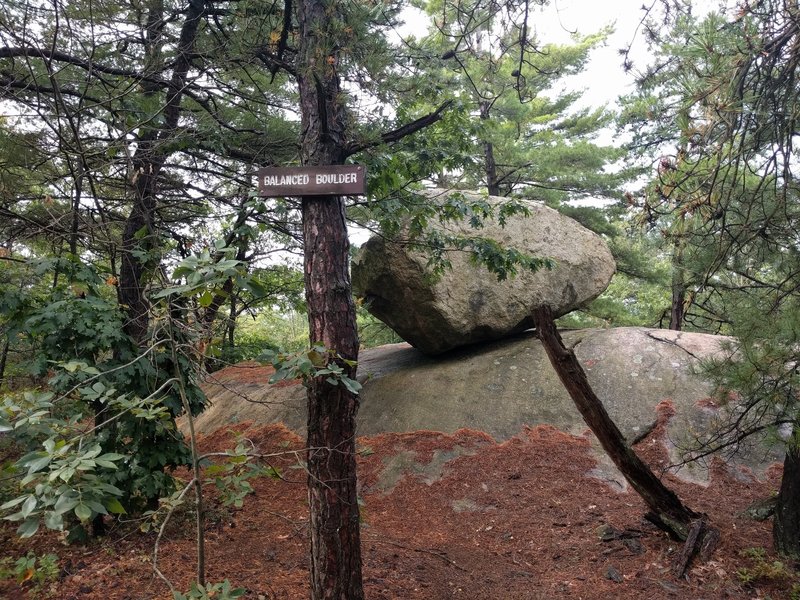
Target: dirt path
(445, 516)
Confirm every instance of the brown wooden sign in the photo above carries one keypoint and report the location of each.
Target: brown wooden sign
(339, 180)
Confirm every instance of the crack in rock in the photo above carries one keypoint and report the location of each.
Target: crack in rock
(674, 342)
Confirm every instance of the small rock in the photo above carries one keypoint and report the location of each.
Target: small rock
(614, 575)
(634, 545)
(607, 532)
(761, 510)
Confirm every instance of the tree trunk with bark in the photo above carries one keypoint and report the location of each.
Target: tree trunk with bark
(666, 509)
(333, 501)
(678, 285)
(3, 359)
(677, 305)
(786, 523)
(489, 162)
(140, 231)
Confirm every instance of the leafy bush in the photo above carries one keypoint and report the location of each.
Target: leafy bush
(66, 476)
(209, 591)
(103, 439)
(762, 569)
(36, 571)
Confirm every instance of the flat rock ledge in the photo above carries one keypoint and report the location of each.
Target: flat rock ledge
(501, 387)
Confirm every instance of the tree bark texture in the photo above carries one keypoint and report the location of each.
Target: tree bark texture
(139, 233)
(786, 523)
(489, 162)
(333, 502)
(677, 306)
(677, 311)
(3, 359)
(666, 509)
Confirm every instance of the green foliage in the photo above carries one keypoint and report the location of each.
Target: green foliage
(627, 302)
(762, 569)
(31, 570)
(211, 591)
(724, 202)
(273, 328)
(371, 331)
(518, 134)
(231, 475)
(72, 472)
(68, 479)
(205, 273)
(318, 361)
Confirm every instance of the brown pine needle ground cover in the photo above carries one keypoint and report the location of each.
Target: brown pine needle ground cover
(445, 516)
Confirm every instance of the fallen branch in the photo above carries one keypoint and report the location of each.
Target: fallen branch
(666, 509)
(436, 553)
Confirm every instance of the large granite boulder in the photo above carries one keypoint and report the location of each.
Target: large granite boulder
(501, 387)
(467, 304)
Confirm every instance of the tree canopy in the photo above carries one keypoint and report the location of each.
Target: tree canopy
(133, 242)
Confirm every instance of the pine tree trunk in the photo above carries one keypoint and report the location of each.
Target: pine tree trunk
(140, 231)
(676, 307)
(677, 311)
(489, 162)
(333, 502)
(3, 359)
(666, 509)
(786, 524)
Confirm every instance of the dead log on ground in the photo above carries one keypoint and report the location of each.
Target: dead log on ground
(666, 510)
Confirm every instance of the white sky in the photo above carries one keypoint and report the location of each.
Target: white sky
(604, 79)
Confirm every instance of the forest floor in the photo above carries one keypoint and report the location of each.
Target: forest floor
(444, 516)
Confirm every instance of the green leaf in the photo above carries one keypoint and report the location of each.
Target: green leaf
(83, 512)
(28, 527)
(105, 463)
(97, 507)
(215, 469)
(65, 504)
(38, 464)
(352, 385)
(54, 520)
(206, 298)
(110, 456)
(74, 365)
(12, 503)
(67, 474)
(115, 507)
(29, 506)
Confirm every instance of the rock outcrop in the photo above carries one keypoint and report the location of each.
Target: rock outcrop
(501, 387)
(467, 304)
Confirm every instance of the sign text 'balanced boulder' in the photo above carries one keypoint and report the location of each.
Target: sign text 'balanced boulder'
(344, 180)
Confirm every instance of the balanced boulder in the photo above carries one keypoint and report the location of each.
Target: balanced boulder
(467, 303)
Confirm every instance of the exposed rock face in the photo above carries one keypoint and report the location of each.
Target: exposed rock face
(468, 304)
(499, 388)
